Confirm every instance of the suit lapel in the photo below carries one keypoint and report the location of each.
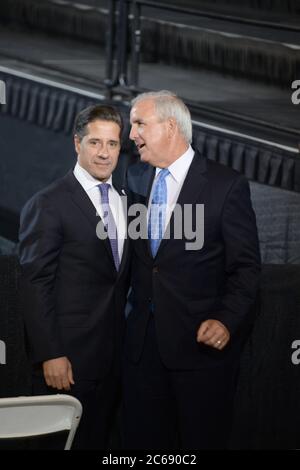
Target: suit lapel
(190, 193)
(124, 199)
(194, 182)
(150, 179)
(140, 177)
(83, 202)
(140, 181)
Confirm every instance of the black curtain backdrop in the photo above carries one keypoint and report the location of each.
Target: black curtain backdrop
(257, 162)
(31, 158)
(267, 402)
(278, 222)
(15, 374)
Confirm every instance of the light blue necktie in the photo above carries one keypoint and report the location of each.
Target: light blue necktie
(157, 216)
(109, 223)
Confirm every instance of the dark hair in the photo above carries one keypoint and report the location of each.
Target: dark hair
(93, 113)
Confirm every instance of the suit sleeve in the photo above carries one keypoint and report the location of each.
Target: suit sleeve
(242, 256)
(40, 243)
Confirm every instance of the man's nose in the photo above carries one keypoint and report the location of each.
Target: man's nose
(133, 133)
(103, 152)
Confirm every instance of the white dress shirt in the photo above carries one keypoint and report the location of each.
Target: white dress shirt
(90, 185)
(178, 171)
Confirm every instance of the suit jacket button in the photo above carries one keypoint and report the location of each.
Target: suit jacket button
(155, 270)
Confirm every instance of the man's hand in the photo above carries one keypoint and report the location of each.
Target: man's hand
(58, 373)
(213, 333)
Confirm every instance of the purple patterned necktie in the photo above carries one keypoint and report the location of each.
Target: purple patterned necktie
(109, 223)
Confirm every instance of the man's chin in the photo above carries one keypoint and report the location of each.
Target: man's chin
(143, 157)
(101, 176)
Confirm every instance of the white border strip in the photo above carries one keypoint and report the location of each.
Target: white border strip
(246, 136)
(98, 96)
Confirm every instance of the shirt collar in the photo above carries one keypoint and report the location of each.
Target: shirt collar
(86, 179)
(179, 168)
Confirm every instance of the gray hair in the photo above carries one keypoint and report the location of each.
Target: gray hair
(168, 105)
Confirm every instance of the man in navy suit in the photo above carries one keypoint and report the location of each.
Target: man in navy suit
(74, 257)
(190, 303)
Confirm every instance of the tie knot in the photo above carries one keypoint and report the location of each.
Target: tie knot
(104, 187)
(163, 174)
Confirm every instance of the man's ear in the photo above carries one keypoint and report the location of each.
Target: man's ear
(172, 127)
(77, 144)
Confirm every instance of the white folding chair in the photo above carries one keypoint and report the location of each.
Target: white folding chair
(42, 415)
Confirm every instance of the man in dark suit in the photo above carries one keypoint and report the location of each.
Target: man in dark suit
(74, 257)
(190, 303)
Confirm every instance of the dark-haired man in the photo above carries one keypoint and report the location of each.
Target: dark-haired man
(74, 252)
